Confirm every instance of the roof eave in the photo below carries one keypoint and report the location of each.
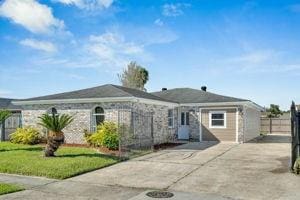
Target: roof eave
(95, 100)
(236, 103)
(81, 100)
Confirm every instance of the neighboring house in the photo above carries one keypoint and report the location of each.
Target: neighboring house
(181, 113)
(12, 122)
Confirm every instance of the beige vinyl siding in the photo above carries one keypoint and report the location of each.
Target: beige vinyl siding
(219, 134)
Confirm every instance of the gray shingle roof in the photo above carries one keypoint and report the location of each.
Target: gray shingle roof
(103, 91)
(189, 95)
(5, 103)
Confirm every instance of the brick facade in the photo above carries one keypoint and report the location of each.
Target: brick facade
(82, 113)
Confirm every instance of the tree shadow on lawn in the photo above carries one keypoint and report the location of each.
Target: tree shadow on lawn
(23, 149)
(89, 155)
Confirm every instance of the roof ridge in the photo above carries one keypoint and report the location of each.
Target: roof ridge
(118, 88)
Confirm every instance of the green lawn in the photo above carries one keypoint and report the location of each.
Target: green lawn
(70, 161)
(9, 188)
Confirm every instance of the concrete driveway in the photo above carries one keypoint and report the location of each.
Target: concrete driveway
(257, 170)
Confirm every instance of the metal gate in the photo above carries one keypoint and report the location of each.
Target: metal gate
(295, 125)
(136, 132)
(10, 125)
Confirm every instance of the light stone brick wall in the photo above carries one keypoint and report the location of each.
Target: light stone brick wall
(162, 133)
(81, 112)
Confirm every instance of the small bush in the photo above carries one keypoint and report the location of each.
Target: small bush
(297, 166)
(106, 136)
(26, 135)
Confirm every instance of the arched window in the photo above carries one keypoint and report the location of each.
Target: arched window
(98, 117)
(52, 111)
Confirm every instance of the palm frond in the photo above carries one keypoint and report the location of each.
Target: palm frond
(55, 123)
(4, 114)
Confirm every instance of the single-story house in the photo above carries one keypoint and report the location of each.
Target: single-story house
(11, 123)
(181, 113)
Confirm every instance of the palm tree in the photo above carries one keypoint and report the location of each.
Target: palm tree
(4, 114)
(55, 124)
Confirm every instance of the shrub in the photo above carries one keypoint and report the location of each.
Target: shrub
(106, 136)
(26, 135)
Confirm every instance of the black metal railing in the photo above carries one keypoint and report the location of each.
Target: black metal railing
(295, 125)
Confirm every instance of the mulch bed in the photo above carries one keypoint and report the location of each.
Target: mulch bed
(116, 152)
(76, 145)
(166, 146)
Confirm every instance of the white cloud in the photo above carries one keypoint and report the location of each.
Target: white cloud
(4, 93)
(259, 61)
(173, 10)
(30, 14)
(88, 4)
(39, 45)
(76, 76)
(158, 22)
(112, 48)
(255, 57)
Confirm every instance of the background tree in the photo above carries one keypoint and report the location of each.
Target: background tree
(134, 76)
(4, 114)
(274, 111)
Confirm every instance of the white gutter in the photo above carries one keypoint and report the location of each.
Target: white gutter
(238, 103)
(83, 100)
(135, 99)
(97, 100)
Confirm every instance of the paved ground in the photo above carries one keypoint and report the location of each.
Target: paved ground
(257, 170)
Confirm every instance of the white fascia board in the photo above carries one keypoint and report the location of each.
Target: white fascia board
(238, 103)
(83, 100)
(96, 100)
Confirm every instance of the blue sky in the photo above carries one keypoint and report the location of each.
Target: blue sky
(247, 49)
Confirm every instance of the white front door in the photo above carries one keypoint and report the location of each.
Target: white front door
(183, 132)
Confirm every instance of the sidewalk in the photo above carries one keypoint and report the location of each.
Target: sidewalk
(28, 182)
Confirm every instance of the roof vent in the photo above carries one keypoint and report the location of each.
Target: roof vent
(203, 88)
(164, 89)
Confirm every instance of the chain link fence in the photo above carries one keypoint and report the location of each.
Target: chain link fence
(136, 132)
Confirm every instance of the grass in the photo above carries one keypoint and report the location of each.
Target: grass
(9, 188)
(70, 161)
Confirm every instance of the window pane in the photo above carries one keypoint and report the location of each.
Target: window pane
(170, 122)
(170, 113)
(217, 122)
(217, 116)
(182, 118)
(187, 118)
(99, 119)
(99, 110)
(54, 111)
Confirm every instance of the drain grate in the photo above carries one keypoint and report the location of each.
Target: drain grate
(160, 194)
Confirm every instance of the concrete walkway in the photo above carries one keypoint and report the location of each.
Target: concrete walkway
(257, 170)
(27, 182)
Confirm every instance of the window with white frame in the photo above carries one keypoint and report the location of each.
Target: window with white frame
(217, 119)
(98, 117)
(171, 118)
